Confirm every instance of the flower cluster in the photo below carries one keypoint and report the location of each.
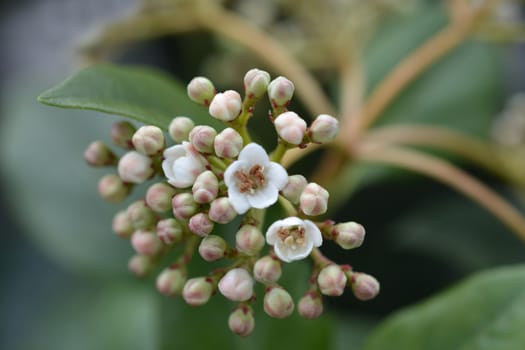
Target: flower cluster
(211, 177)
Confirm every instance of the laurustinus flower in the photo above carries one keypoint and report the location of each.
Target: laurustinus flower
(310, 305)
(255, 83)
(201, 90)
(171, 281)
(267, 269)
(365, 287)
(332, 280)
(293, 238)
(197, 291)
(290, 127)
(121, 134)
(323, 129)
(226, 106)
(148, 140)
(228, 143)
(241, 321)
(278, 303)
(280, 91)
(254, 181)
(135, 168)
(182, 164)
(179, 128)
(237, 285)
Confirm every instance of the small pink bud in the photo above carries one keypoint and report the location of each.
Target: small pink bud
(171, 281)
(140, 265)
(228, 143)
(202, 137)
(323, 129)
(98, 154)
(197, 291)
(200, 224)
(212, 248)
(310, 305)
(146, 242)
(313, 200)
(349, 235)
(158, 197)
(267, 270)
(201, 90)
(112, 188)
(221, 211)
(249, 240)
(226, 106)
(135, 167)
(241, 321)
(280, 91)
(255, 83)
(140, 215)
(169, 231)
(184, 206)
(179, 128)
(122, 224)
(290, 127)
(332, 280)
(148, 140)
(206, 187)
(237, 285)
(278, 303)
(365, 287)
(293, 189)
(121, 134)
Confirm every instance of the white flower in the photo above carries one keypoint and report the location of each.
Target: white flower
(182, 164)
(237, 285)
(253, 180)
(293, 238)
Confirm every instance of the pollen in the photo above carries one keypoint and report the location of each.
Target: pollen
(251, 180)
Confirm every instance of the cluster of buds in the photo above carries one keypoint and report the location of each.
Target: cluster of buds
(209, 178)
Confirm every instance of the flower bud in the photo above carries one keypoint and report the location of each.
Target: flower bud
(171, 281)
(310, 305)
(206, 187)
(267, 270)
(255, 83)
(212, 248)
(158, 197)
(146, 242)
(313, 200)
(241, 321)
(278, 303)
(228, 143)
(365, 287)
(221, 211)
(201, 90)
(197, 291)
(280, 91)
(121, 134)
(184, 206)
(200, 224)
(249, 240)
(226, 106)
(148, 140)
(290, 127)
(122, 224)
(323, 129)
(349, 235)
(98, 154)
(140, 215)
(332, 280)
(169, 231)
(237, 285)
(134, 167)
(179, 128)
(293, 189)
(202, 137)
(140, 265)
(112, 188)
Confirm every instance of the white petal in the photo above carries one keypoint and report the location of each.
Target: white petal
(182, 172)
(282, 252)
(313, 233)
(238, 200)
(167, 169)
(263, 197)
(229, 174)
(271, 232)
(291, 221)
(254, 154)
(302, 253)
(276, 174)
(174, 152)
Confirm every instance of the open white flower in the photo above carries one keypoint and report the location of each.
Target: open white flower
(293, 238)
(253, 180)
(182, 164)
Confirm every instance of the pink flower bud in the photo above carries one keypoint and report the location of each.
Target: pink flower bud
(249, 240)
(201, 90)
(140, 265)
(98, 154)
(293, 189)
(158, 197)
(122, 224)
(200, 224)
(184, 206)
(171, 281)
(313, 200)
(169, 231)
(112, 188)
(236, 285)
(267, 270)
(349, 235)
(197, 291)
(179, 128)
(140, 215)
(290, 127)
(332, 280)
(121, 134)
(323, 129)
(135, 168)
(202, 137)
(226, 106)
(212, 248)
(221, 211)
(148, 140)
(206, 187)
(146, 242)
(278, 303)
(255, 83)
(241, 321)
(228, 143)
(365, 287)
(280, 91)
(310, 305)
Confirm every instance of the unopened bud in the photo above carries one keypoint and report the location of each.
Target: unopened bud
(197, 291)
(228, 143)
(323, 129)
(267, 270)
(122, 224)
(200, 224)
(149, 140)
(212, 248)
(280, 91)
(98, 154)
(249, 240)
(365, 287)
(171, 281)
(349, 235)
(226, 106)
(290, 127)
(135, 167)
(121, 134)
(140, 215)
(278, 303)
(255, 83)
(158, 197)
(293, 189)
(202, 137)
(237, 285)
(184, 206)
(241, 321)
(179, 129)
(332, 280)
(206, 187)
(310, 305)
(314, 200)
(169, 231)
(112, 188)
(140, 265)
(201, 90)
(146, 242)
(221, 211)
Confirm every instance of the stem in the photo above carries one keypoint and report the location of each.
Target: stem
(278, 152)
(319, 259)
(255, 217)
(287, 206)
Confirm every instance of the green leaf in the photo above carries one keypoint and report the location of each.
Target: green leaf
(485, 312)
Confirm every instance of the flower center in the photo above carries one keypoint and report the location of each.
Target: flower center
(251, 180)
(292, 236)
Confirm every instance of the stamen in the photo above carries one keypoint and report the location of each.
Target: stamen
(251, 181)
